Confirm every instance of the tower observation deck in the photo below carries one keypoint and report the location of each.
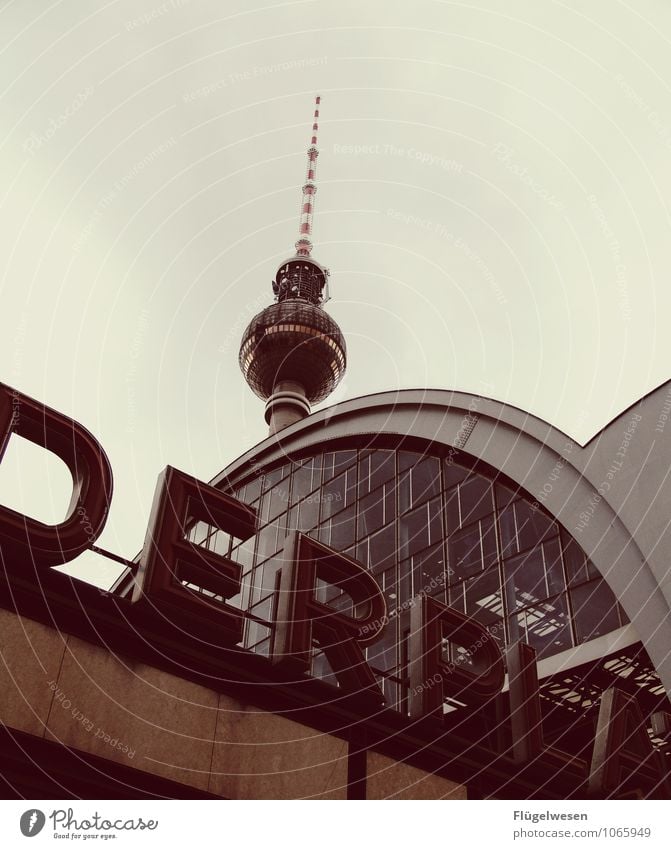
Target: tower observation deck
(292, 353)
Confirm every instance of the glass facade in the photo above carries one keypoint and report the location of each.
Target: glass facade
(421, 523)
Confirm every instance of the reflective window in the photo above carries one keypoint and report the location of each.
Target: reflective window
(422, 524)
(593, 610)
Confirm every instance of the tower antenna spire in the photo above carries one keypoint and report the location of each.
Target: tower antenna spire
(304, 244)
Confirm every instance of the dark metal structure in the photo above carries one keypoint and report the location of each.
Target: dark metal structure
(291, 340)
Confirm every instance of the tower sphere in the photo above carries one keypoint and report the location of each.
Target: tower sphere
(293, 341)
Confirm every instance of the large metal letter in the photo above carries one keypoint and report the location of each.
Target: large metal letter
(23, 538)
(168, 559)
(525, 705)
(432, 677)
(302, 618)
(621, 747)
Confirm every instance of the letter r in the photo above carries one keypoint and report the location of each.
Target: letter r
(301, 617)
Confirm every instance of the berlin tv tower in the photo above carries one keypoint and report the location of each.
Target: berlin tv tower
(292, 353)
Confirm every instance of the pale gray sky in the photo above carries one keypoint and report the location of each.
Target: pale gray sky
(493, 205)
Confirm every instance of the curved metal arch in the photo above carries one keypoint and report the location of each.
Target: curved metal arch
(620, 534)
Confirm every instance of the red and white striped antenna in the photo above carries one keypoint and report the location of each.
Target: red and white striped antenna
(304, 245)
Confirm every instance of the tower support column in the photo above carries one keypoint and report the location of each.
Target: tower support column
(287, 404)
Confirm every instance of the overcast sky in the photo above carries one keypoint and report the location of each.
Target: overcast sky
(493, 205)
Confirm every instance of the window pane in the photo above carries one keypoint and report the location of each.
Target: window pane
(364, 474)
(342, 460)
(594, 610)
(429, 572)
(302, 481)
(404, 500)
(508, 531)
(244, 554)
(435, 521)
(267, 542)
(484, 599)
(382, 548)
(388, 583)
(324, 532)
(457, 598)
(342, 528)
(278, 499)
(532, 525)
(382, 467)
(465, 552)
(273, 477)
(528, 574)
(545, 627)
(452, 516)
(405, 580)
(505, 495)
(574, 558)
(269, 575)
(413, 531)
(488, 534)
(264, 609)
(255, 633)
(328, 466)
(476, 500)
(407, 459)
(553, 567)
(220, 542)
(425, 480)
(454, 473)
(308, 512)
(382, 655)
(252, 490)
(321, 668)
(371, 513)
(333, 496)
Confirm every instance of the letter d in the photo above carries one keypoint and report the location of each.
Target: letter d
(24, 540)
